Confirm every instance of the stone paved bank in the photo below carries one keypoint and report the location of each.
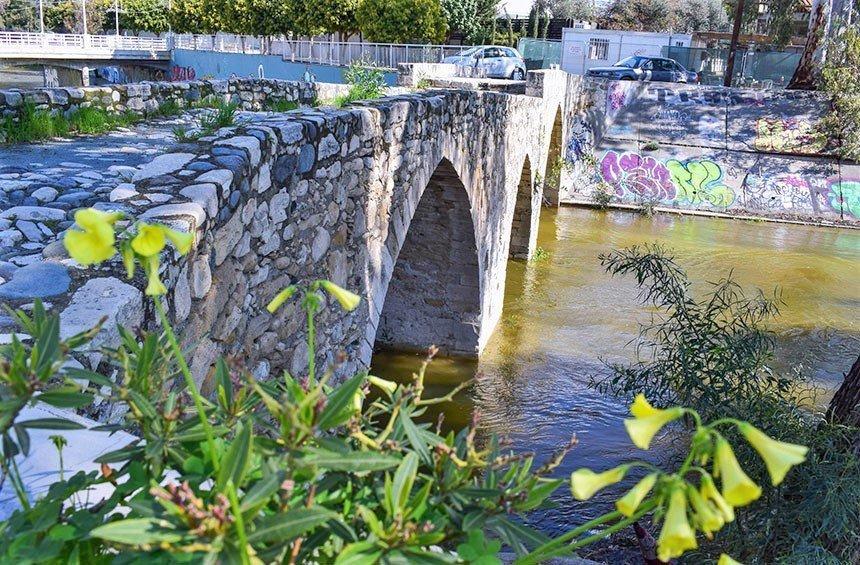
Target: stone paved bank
(331, 193)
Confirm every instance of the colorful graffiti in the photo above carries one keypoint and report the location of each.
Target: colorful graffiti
(843, 195)
(618, 95)
(780, 192)
(182, 73)
(631, 174)
(580, 140)
(785, 135)
(700, 181)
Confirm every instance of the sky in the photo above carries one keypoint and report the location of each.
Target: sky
(516, 7)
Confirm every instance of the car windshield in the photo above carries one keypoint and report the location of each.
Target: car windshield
(471, 51)
(629, 62)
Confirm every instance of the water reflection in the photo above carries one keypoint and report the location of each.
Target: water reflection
(564, 315)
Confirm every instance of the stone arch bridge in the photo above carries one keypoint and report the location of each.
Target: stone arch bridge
(416, 202)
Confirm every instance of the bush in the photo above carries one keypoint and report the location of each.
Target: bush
(713, 353)
(366, 83)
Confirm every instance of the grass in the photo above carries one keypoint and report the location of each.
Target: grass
(38, 125)
(281, 105)
(540, 254)
(223, 116)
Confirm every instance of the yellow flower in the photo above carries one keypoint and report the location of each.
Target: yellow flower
(677, 536)
(709, 492)
(726, 560)
(628, 503)
(647, 421)
(641, 408)
(151, 238)
(738, 488)
(348, 300)
(705, 515)
(127, 258)
(585, 482)
(94, 242)
(155, 287)
(778, 456)
(383, 384)
(280, 298)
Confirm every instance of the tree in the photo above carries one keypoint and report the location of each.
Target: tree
(637, 15)
(402, 21)
(66, 16)
(573, 9)
(461, 16)
(486, 17)
(826, 21)
(700, 15)
(187, 16)
(18, 15)
(144, 15)
(323, 16)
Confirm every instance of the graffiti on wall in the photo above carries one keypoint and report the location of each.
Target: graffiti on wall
(785, 135)
(844, 194)
(631, 174)
(700, 181)
(182, 73)
(618, 95)
(580, 140)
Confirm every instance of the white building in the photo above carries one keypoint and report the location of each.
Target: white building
(582, 49)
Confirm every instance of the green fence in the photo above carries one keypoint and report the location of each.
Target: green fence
(540, 53)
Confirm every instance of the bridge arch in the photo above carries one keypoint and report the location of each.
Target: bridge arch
(524, 225)
(552, 172)
(433, 295)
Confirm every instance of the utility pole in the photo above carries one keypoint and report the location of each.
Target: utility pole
(736, 31)
(41, 18)
(84, 10)
(116, 14)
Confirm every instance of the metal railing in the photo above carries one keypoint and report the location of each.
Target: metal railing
(339, 53)
(15, 42)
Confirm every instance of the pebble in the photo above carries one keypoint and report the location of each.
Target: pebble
(38, 280)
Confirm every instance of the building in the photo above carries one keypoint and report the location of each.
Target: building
(583, 49)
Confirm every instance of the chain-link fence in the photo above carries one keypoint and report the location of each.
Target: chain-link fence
(753, 68)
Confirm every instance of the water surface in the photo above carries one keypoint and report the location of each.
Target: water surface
(563, 316)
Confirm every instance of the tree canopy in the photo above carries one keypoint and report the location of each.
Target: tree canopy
(402, 21)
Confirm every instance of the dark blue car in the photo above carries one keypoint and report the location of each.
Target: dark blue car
(656, 69)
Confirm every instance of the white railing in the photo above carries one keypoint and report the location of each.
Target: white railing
(15, 42)
(340, 53)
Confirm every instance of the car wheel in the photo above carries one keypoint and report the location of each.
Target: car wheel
(626, 78)
(518, 74)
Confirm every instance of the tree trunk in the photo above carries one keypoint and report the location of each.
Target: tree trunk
(806, 73)
(845, 406)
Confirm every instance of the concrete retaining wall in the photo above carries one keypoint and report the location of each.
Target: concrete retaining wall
(709, 148)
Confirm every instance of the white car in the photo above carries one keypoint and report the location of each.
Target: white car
(495, 60)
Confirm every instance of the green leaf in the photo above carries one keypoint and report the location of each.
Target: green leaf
(51, 424)
(261, 491)
(539, 493)
(285, 526)
(351, 462)
(235, 463)
(223, 384)
(338, 409)
(404, 477)
(138, 531)
(65, 398)
(85, 375)
(359, 553)
(414, 437)
(118, 455)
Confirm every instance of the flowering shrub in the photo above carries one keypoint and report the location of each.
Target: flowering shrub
(298, 469)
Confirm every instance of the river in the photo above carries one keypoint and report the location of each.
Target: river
(564, 316)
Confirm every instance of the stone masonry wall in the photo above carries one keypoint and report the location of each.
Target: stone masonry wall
(146, 97)
(320, 193)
